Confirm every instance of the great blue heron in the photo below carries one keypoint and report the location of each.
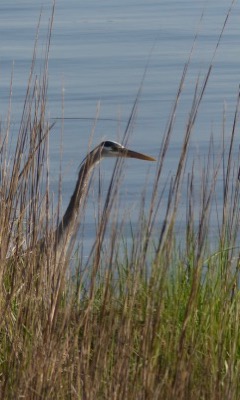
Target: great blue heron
(67, 225)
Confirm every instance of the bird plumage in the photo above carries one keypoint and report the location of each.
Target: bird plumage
(68, 225)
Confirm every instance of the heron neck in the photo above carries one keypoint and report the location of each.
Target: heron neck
(69, 223)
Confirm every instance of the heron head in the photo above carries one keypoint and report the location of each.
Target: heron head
(114, 149)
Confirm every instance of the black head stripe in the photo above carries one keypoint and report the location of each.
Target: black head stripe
(107, 143)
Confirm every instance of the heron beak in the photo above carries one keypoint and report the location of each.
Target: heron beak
(133, 154)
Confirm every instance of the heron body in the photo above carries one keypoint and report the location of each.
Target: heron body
(68, 225)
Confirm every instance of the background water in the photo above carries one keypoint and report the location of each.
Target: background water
(98, 56)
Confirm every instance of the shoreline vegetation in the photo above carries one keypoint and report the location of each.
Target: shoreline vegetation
(152, 317)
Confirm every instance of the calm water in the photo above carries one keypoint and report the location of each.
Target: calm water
(98, 55)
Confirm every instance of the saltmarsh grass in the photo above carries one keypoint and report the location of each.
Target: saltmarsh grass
(153, 317)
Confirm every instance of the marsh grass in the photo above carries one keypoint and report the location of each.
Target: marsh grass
(153, 316)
